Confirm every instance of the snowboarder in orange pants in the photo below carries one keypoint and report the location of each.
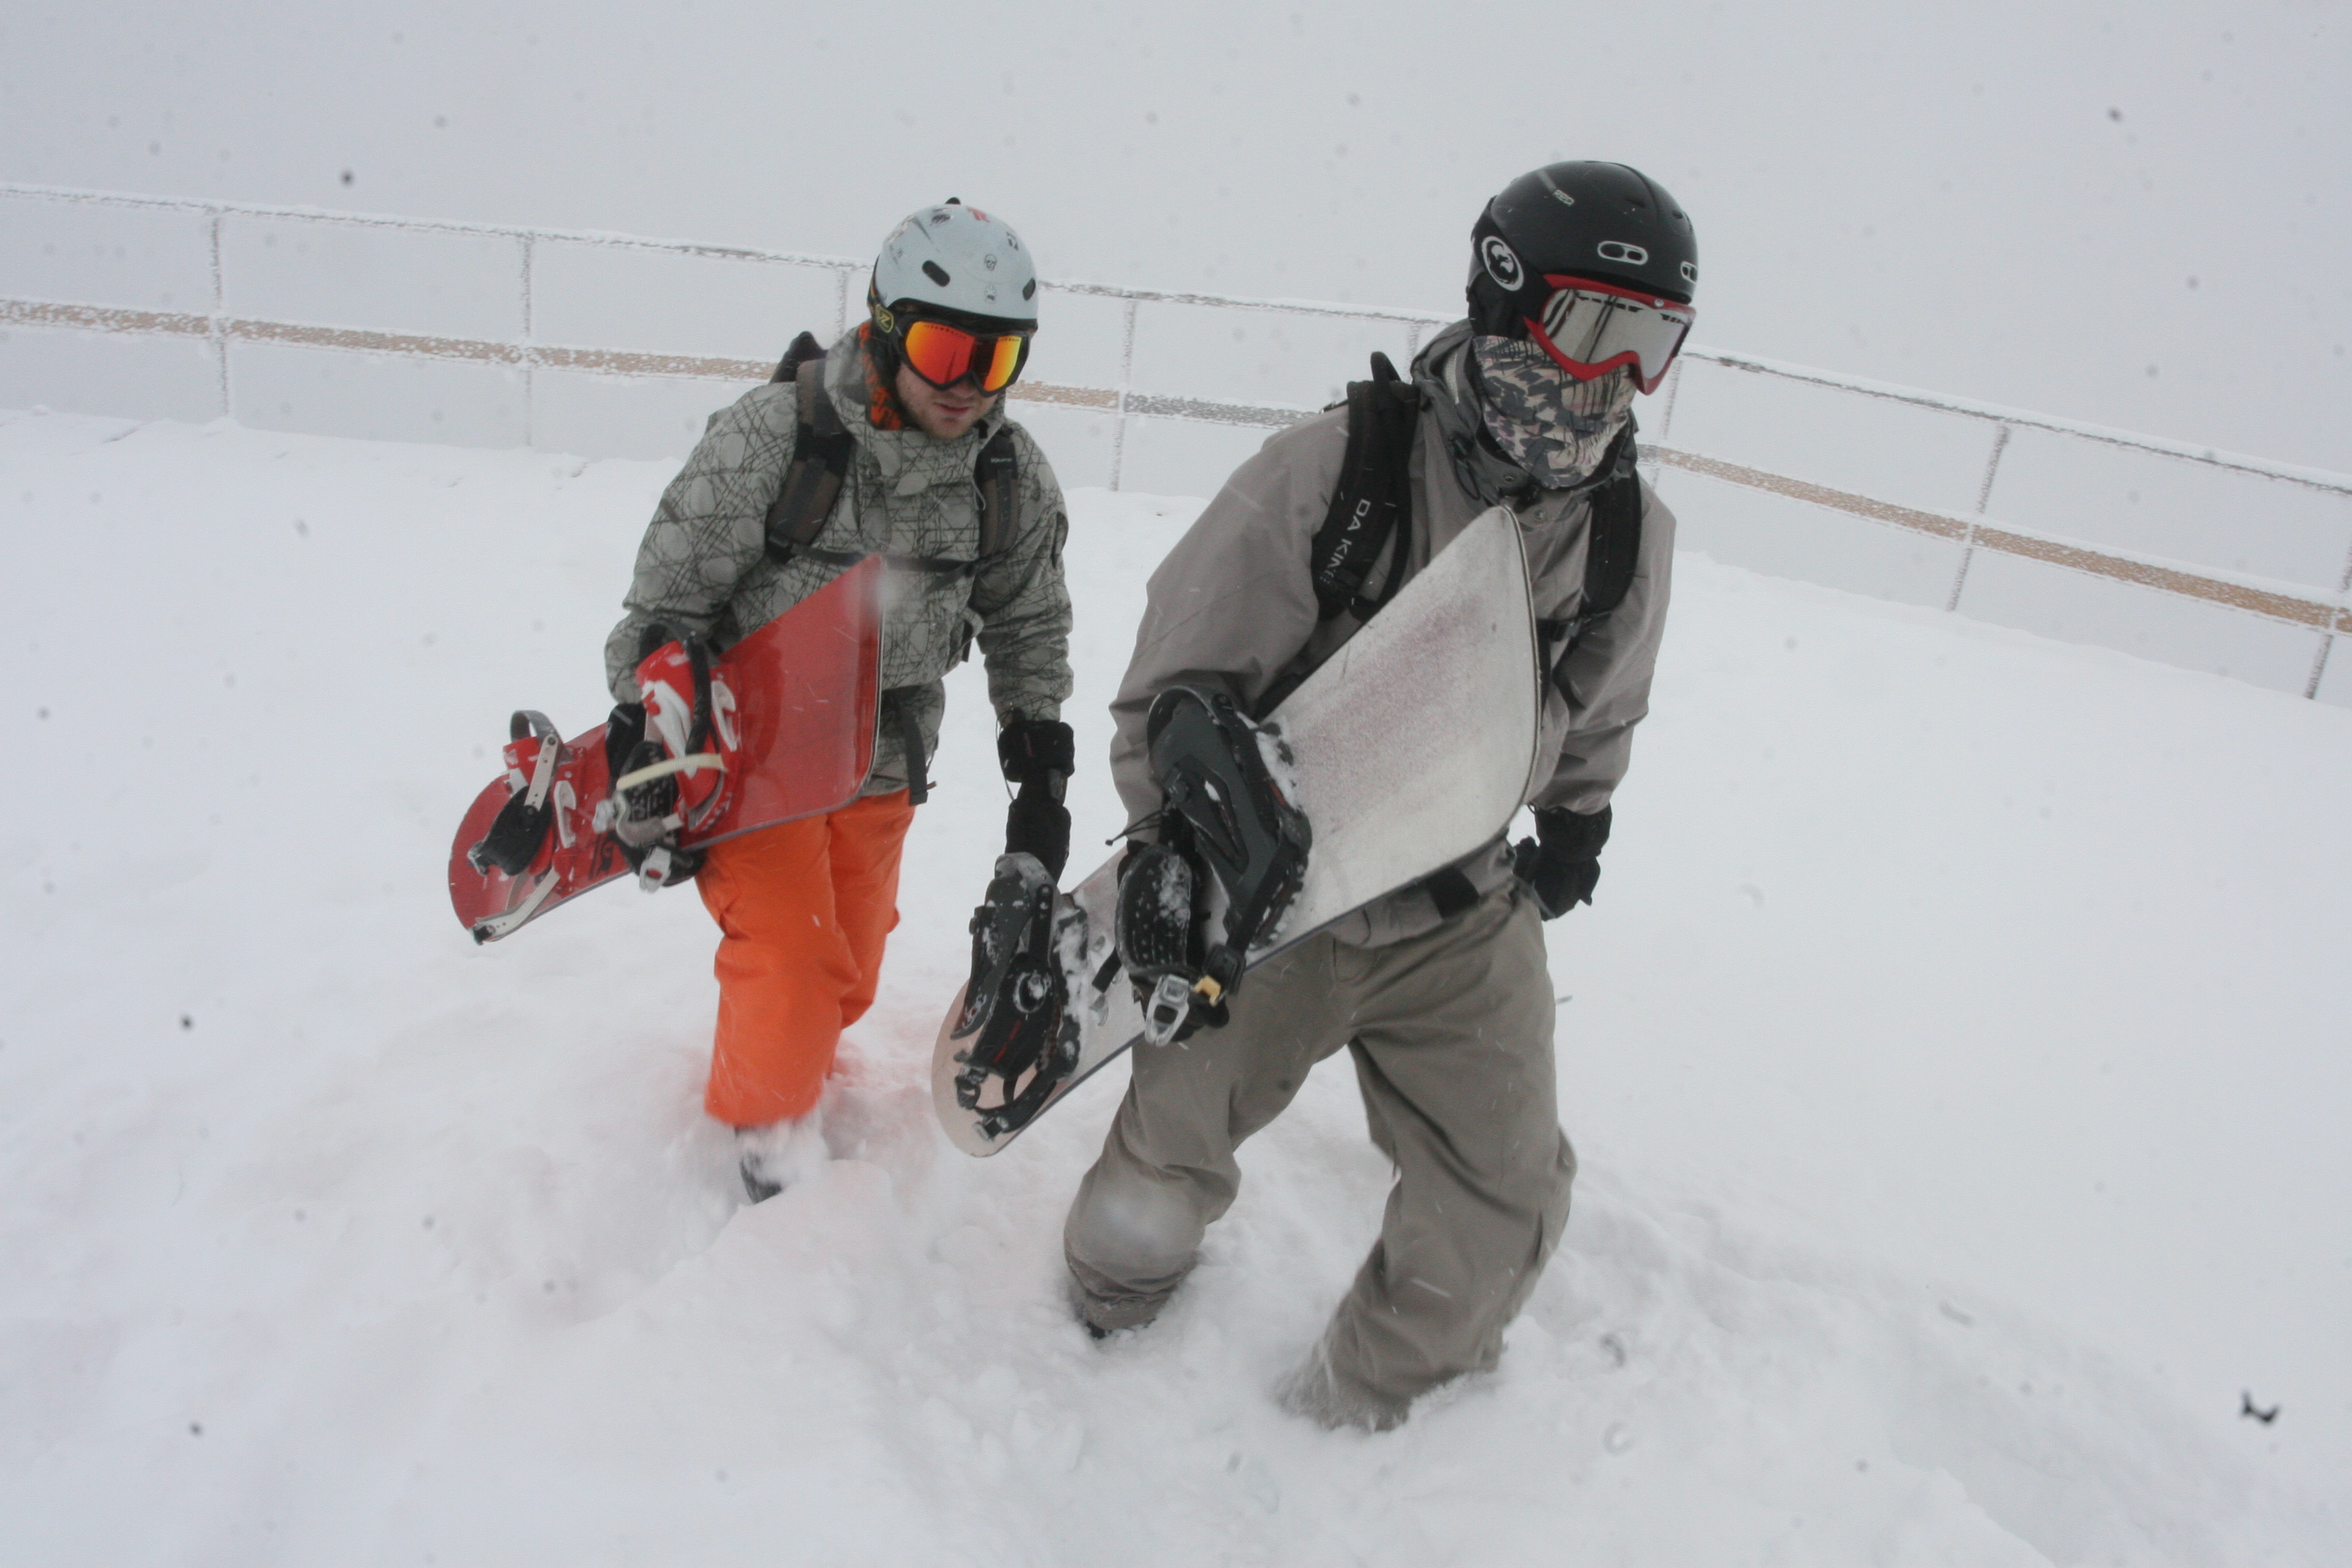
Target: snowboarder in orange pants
(905, 412)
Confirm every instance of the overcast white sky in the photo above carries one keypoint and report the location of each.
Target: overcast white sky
(2133, 214)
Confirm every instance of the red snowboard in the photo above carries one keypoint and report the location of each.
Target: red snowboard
(796, 703)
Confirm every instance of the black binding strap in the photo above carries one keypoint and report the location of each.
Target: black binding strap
(1373, 502)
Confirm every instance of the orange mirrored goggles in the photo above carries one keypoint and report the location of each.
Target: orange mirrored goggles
(944, 355)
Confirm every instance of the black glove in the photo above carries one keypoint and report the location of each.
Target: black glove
(1562, 862)
(1039, 755)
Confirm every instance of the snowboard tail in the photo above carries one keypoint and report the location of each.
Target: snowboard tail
(794, 708)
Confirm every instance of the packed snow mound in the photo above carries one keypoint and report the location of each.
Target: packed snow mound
(1949, 1052)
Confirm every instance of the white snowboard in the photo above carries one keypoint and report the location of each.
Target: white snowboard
(1413, 745)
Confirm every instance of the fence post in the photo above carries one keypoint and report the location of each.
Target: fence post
(2341, 626)
(1126, 378)
(219, 315)
(530, 354)
(1984, 498)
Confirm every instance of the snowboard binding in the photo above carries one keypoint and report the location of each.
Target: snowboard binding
(1158, 930)
(520, 830)
(668, 758)
(1018, 1001)
(537, 822)
(1231, 861)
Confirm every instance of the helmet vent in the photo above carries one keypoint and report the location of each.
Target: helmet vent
(1029, 290)
(939, 274)
(1690, 272)
(1610, 250)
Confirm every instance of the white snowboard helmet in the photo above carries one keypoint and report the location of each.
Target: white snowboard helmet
(957, 263)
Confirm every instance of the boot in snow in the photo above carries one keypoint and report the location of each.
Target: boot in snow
(773, 1157)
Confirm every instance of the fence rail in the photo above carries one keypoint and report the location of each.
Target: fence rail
(2307, 602)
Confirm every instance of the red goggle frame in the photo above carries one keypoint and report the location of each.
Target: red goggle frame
(1591, 329)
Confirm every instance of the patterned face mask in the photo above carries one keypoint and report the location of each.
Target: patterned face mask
(1553, 426)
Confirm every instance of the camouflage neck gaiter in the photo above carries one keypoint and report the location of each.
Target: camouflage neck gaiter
(1551, 425)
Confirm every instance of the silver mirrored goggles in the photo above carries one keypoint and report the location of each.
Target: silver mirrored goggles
(1592, 328)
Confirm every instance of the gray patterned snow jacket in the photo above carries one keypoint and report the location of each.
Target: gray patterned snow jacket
(1234, 603)
(703, 565)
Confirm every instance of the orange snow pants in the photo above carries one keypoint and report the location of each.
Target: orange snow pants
(803, 908)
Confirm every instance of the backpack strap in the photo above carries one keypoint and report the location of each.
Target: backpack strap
(997, 476)
(821, 451)
(1373, 502)
(1612, 549)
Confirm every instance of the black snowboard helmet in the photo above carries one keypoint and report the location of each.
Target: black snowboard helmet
(1606, 222)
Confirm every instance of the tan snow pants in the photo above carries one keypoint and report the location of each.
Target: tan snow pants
(1451, 1036)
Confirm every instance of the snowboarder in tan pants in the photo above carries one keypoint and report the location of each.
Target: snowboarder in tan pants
(1582, 276)
(905, 412)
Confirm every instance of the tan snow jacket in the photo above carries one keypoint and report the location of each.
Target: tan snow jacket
(1233, 605)
(703, 565)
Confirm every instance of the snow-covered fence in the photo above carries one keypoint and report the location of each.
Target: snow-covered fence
(613, 345)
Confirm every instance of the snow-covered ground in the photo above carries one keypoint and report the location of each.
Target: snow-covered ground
(1956, 1053)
